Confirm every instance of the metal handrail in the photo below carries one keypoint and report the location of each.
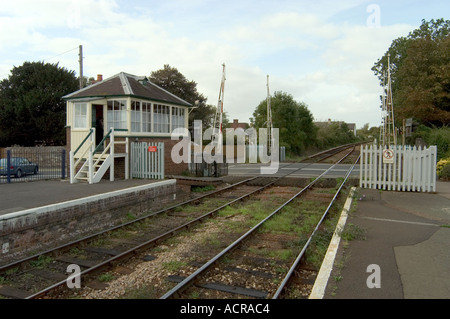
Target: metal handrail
(82, 156)
(103, 140)
(85, 139)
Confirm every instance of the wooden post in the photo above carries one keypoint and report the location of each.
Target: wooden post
(404, 132)
(81, 66)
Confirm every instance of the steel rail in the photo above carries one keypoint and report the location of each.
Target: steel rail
(190, 279)
(294, 266)
(335, 150)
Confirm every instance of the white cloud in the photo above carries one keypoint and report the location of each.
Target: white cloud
(340, 85)
(302, 45)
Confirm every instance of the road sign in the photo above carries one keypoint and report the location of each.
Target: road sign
(388, 156)
(152, 149)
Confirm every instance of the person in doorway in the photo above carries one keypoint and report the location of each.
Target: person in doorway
(99, 130)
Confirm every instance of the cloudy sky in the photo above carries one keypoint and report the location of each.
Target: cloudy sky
(321, 52)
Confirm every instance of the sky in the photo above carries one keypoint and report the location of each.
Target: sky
(320, 52)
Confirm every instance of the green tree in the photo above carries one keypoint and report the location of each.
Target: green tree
(434, 136)
(173, 81)
(420, 73)
(435, 29)
(334, 134)
(423, 88)
(292, 118)
(368, 134)
(31, 109)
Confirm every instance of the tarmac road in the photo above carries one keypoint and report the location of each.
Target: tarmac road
(305, 170)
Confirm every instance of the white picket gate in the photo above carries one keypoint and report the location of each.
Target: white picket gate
(147, 160)
(409, 169)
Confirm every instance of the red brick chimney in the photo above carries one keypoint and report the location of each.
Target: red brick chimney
(99, 77)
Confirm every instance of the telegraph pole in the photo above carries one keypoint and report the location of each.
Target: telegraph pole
(269, 121)
(216, 137)
(389, 131)
(81, 65)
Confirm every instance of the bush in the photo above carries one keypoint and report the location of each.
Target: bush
(441, 138)
(435, 136)
(443, 169)
(333, 134)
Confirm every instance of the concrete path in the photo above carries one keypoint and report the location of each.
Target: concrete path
(403, 245)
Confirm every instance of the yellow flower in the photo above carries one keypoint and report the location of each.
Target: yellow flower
(441, 164)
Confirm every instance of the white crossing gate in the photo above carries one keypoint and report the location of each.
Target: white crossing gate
(399, 168)
(147, 160)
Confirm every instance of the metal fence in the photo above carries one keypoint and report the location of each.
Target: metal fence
(24, 164)
(208, 170)
(200, 168)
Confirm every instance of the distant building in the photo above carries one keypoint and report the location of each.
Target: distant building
(236, 125)
(352, 127)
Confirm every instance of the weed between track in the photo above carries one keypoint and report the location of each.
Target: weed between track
(282, 236)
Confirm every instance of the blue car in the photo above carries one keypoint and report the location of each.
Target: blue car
(19, 167)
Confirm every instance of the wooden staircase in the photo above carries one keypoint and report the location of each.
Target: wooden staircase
(94, 162)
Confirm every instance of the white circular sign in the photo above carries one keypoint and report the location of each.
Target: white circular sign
(388, 156)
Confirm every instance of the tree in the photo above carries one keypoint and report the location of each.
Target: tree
(334, 134)
(31, 107)
(171, 80)
(423, 88)
(366, 134)
(420, 73)
(435, 29)
(292, 118)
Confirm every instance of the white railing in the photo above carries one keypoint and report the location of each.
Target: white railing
(403, 168)
(147, 160)
(95, 165)
(88, 145)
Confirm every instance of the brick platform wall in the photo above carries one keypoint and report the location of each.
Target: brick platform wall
(41, 228)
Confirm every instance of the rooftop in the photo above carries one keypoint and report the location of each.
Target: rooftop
(124, 84)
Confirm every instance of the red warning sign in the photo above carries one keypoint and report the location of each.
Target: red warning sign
(152, 149)
(388, 156)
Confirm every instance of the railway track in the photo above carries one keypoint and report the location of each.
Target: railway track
(45, 275)
(334, 154)
(205, 277)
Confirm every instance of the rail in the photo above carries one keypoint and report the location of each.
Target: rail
(190, 279)
(305, 247)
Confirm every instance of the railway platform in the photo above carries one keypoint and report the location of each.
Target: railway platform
(400, 247)
(16, 197)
